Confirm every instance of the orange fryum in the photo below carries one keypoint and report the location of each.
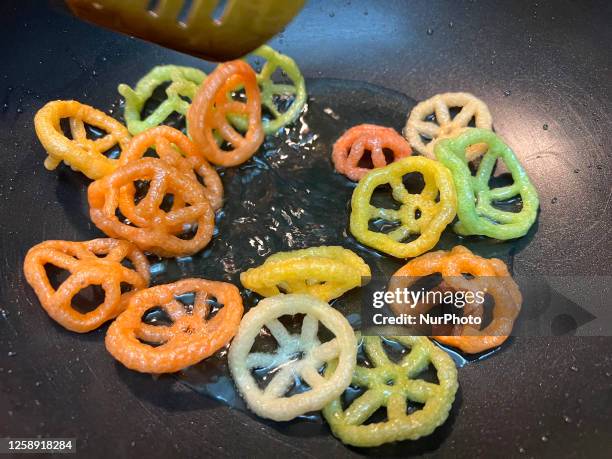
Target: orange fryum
(490, 275)
(350, 148)
(176, 149)
(189, 339)
(79, 152)
(208, 114)
(82, 260)
(153, 229)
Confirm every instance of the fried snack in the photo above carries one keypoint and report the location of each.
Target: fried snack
(190, 338)
(475, 200)
(270, 91)
(176, 149)
(350, 148)
(419, 125)
(207, 116)
(418, 214)
(489, 275)
(271, 402)
(95, 262)
(152, 228)
(392, 385)
(79, 152)
(184, 82)
(325, 272)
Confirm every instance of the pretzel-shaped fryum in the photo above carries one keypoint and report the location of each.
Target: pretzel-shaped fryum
(154, 229)
(271, 401)
(191, 336)
(207, 116)
(184, 82)
(95, 262)
(271, 90)
(325, 272)
(79, 152)
(352, 145)
(433, 218)
(391, 385)
(475, 199)
(418, 125)
(176, 149)
(490, 275)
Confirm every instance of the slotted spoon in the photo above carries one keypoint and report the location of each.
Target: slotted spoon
(217, 30)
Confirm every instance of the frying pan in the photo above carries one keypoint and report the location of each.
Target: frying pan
(535, 64)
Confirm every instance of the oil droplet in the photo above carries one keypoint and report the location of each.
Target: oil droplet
(576, 170)
(554, 200)
(332, 14)
(451, 24)
(20, 110)
(544, 438)
(545, 127)
(574, 368)
(507, 92)
(567, 419)
(430, 31)
(11, 353)
(521, 450)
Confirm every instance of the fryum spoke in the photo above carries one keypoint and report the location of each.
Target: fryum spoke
(326, 351)
(390, 215)
(442, 113)
(77, 129)
(311, 376)
(280, 382)
(363, 407)
(154, 197)
(154, 333)
(261, 360)
(310, 327)
(465, 115)
(279, 332)
(427, 128)
(183, 215)
(396, 406)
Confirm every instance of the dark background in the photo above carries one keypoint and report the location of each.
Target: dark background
(534, 63)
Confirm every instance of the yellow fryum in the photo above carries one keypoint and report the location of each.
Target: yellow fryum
(391, 385)
(79, 152)
(273, 401)
(325, 272)
(425, 214)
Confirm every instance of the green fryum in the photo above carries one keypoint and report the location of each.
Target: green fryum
(390, 385)
(477, 215)
(184, 82)
(269, 90)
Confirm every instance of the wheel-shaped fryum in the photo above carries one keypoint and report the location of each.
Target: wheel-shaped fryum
(184, 82)
(477, 202)
(272, 401)
(392, 385)
(425, 214)
(419, 125)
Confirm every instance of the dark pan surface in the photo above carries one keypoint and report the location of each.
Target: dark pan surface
(533, 63)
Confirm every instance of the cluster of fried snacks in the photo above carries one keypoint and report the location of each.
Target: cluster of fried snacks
(425, 214)
(271, 91)
(151, 227)
(184, 82)
(79, 152)
(392, 385)
(207, 117)
(488, 275)
(443, 125)
(325, 272)
(351, 147)
(189, 337)
(475, 199)
(96, 262)
(273, 402)
(177, 150)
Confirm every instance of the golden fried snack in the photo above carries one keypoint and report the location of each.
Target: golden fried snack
(352, 145)
(272, 402)
(176, 149)
(325, 272)
(152, 228)
(392, 385)
(96, 262)
(419, 124)
(208, 114)
(489, 275)
(79, 152)
(190, 338)
(425, 214)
